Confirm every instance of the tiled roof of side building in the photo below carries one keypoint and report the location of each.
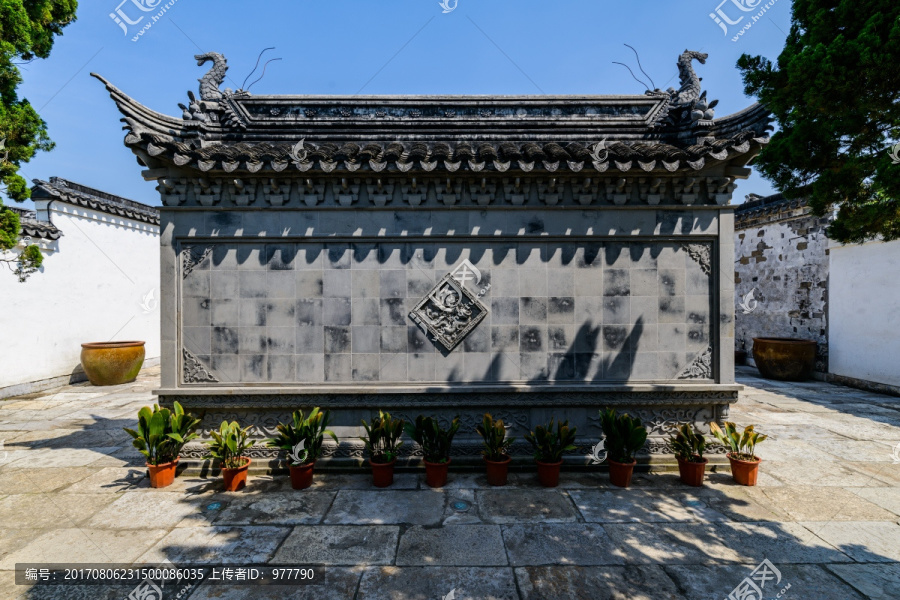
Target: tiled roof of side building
(81, 195)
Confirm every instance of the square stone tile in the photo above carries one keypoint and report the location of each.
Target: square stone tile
(217, 545)
(108, 480)
(856, 451)
(339, 545)
(873, 581)
(452, 545)
(871, 541)
(380, 507)
(522, 506)
(741, 503)
(818, 473)
(582, 544)
(427, 583)
(33, 480)
(597, 583)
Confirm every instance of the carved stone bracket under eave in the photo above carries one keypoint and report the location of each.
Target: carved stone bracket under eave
(702, 255)
(195, 371)
(701, 368)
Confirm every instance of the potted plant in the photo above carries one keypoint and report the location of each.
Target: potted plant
(228, 446)
(496, 449)
(688, 446)
(624, 436)
(303, 439)
(382, 442)
(435, 443)
(744, 462)
(548, 449)
(160, 436)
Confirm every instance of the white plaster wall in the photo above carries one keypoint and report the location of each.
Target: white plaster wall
(91, 288)
(864, 312)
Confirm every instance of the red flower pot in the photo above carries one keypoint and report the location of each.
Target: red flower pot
(236, 479)
(162, 475)
(383, 473)
(692, 472)
(436, 473)
(302, 476)
(744, 472)
(548, 473)
(620, 473)
(497, 470)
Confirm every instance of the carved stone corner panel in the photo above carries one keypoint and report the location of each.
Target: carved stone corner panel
(702, 255)
(195, 371)
(701, 368)
(192, 256)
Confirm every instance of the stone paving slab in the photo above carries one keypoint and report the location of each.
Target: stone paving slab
(807, 503)
(339, 545)
(34, 511)
(84, 545)
(518, 506)
(873, 581)
(386, 507)
(716, 582)
(331, 583)
(864, 542)
(580, 544)
(452, 545)
(217, 545)
(597, 583)
(279, 508)
(643, 506)
(430, 583)
(886, 498)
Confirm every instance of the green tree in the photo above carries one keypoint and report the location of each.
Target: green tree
(27, 30)
(835, 92)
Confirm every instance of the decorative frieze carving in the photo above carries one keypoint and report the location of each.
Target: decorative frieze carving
(194, 371)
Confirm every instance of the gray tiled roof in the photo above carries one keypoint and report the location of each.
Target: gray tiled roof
(73, 193)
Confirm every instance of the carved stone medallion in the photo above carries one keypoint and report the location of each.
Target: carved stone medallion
(449, 312)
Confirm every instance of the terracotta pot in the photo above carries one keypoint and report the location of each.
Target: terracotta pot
(744, 472)
(692, 472)
(436, 473)
(112, 363)
(302, 476)
(497, 470)
(162, 475)
(236, 479)
(548, 473)
(784, 359)
(620, 473)
(383, 473)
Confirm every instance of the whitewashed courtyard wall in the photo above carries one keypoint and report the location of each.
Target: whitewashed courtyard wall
(95, 285)
(864, 338)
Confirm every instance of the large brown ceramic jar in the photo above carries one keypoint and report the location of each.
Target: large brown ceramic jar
(112, 363)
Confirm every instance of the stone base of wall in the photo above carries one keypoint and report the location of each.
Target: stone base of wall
(660, 407)
(869, 386)
(32, 387)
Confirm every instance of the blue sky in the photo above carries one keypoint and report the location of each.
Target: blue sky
(493, 47)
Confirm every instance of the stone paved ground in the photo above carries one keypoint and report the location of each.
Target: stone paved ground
(826, 513)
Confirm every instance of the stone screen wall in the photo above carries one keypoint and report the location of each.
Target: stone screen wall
(323, 312)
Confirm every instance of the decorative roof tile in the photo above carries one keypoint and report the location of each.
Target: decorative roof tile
(79, 195)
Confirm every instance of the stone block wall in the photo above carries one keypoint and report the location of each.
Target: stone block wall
(781, 274)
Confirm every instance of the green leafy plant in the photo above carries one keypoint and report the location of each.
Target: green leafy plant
(549, 445)
(162, 432)
(304, 436)
(742, 445)
(435, 441)
(688, 443)
(624, 435)
(383, 437)
(493, 434)
(229, 444)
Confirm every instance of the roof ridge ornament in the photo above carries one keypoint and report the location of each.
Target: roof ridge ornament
(688, 103)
